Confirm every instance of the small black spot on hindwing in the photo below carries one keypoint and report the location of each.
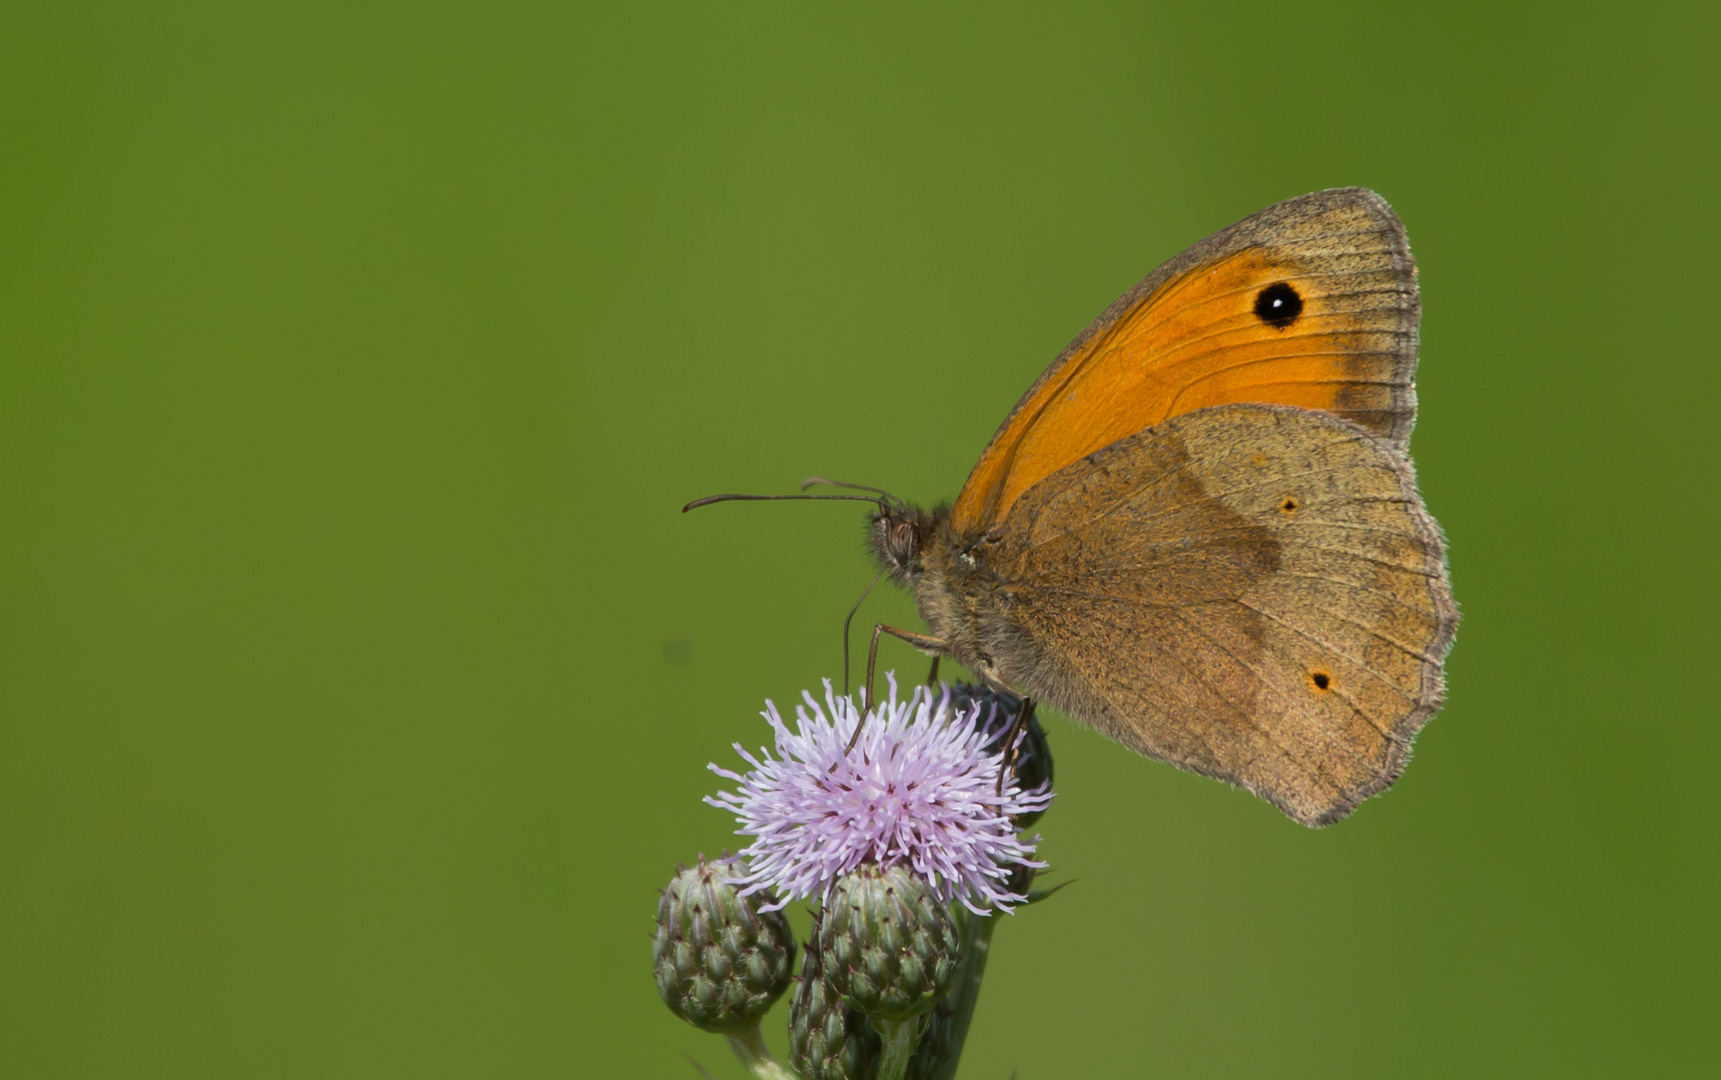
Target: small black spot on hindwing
(1278, 305)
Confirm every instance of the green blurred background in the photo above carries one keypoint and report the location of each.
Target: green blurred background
(358, 673)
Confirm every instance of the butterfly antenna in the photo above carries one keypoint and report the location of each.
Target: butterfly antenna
(709, 499)
(851, 618)
(826, 481)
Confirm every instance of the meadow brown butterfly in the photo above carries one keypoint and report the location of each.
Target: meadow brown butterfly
(1199, 530)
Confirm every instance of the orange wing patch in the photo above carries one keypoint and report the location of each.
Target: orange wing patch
(1311, 303)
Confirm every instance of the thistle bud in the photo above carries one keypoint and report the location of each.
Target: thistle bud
(720, 962)
(933, 1053)
(829, 1039)
(998, 712)
(889, 947)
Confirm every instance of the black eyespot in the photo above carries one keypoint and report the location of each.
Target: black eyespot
(1278, 305)
(1289, 506)
(1321, 680)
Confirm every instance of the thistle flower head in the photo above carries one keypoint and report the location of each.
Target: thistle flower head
(918, 789)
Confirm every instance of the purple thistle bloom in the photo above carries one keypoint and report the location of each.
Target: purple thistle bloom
(918, 788)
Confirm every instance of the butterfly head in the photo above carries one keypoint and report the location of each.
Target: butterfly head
(900, 536)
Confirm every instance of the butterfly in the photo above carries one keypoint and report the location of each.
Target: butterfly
(1199, 530)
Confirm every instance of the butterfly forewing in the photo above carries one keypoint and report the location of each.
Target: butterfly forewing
(1312, 302)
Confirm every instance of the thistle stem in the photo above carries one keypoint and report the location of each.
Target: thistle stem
(750, 1047)
(899, 1038)
(976, 931)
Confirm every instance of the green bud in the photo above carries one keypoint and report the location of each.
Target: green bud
(1033, 760)
(829, 1039)
(937, 1032)
(720, 962)
(889, 947)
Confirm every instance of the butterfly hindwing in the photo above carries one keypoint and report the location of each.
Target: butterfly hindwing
(1294, 648)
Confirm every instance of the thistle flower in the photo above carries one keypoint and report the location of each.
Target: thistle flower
(918, 789)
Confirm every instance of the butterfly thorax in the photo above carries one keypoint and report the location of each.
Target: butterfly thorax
(952, 585)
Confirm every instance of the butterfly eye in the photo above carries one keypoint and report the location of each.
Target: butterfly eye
(1278, 305)
(905, 537)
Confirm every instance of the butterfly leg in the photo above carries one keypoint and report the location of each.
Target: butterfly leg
(920, 641)
(1013, 740)
(932, 676)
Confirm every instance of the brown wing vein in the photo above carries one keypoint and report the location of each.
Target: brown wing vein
(1284, 751)
(1267, 733)
(1357, 660)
